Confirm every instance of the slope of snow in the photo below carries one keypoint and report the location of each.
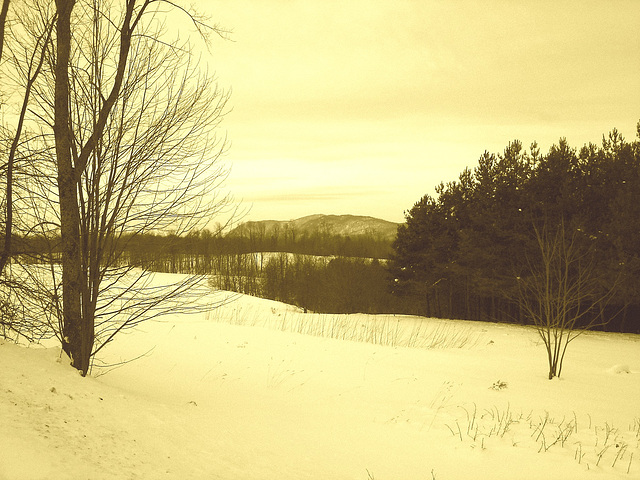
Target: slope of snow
(240, 395)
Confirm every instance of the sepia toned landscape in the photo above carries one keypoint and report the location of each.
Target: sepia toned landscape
(319, 240)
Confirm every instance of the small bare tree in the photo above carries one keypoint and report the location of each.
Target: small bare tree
(562, 294)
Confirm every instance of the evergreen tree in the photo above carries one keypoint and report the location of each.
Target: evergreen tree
(459, 253)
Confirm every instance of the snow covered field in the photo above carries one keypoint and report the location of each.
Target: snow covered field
(259, 390)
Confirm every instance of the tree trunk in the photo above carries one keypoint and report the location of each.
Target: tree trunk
(74, 330)
(428, 304)
(8, 222)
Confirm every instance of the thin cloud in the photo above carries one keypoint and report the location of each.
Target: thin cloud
(318, 195)
(400, 95)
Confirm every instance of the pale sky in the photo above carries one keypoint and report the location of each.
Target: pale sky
(363, 106)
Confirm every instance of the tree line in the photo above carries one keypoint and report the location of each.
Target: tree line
(205, 242)
(467, 251)
(192, 252)
(315, 271)
(318, 284)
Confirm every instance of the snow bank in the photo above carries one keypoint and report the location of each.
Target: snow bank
(213, 397)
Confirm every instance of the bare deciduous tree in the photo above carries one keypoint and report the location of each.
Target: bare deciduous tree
(139, 155)
(562, 294)
(132, 149)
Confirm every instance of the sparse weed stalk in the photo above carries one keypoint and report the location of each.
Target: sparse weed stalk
(499, 422)
(565, 433)
(601, 453)
(444, 335)
(578, 456)
(602, 446)
(375, 329)
(471, 421)
(622, 448)
(457, 432)
(562, 432)
(492, 422)
(539, 428)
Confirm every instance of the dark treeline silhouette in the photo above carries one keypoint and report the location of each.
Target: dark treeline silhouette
(258, 238)
(329, 285)
(196, 252)
(319, 284)
(319, 272)
(462, 253)
(316, 271)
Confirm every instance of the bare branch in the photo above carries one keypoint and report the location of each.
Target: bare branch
(562, 292)
(3, 21)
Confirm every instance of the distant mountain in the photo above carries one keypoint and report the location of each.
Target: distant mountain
(343, 225)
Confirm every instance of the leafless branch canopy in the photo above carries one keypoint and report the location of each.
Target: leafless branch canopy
(119, 136)
(561, 294)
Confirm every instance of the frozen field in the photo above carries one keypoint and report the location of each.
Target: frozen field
(258, 390)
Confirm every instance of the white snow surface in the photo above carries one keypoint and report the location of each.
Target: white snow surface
(239, 394)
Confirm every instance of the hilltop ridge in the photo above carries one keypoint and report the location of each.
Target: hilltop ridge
(343, 225)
